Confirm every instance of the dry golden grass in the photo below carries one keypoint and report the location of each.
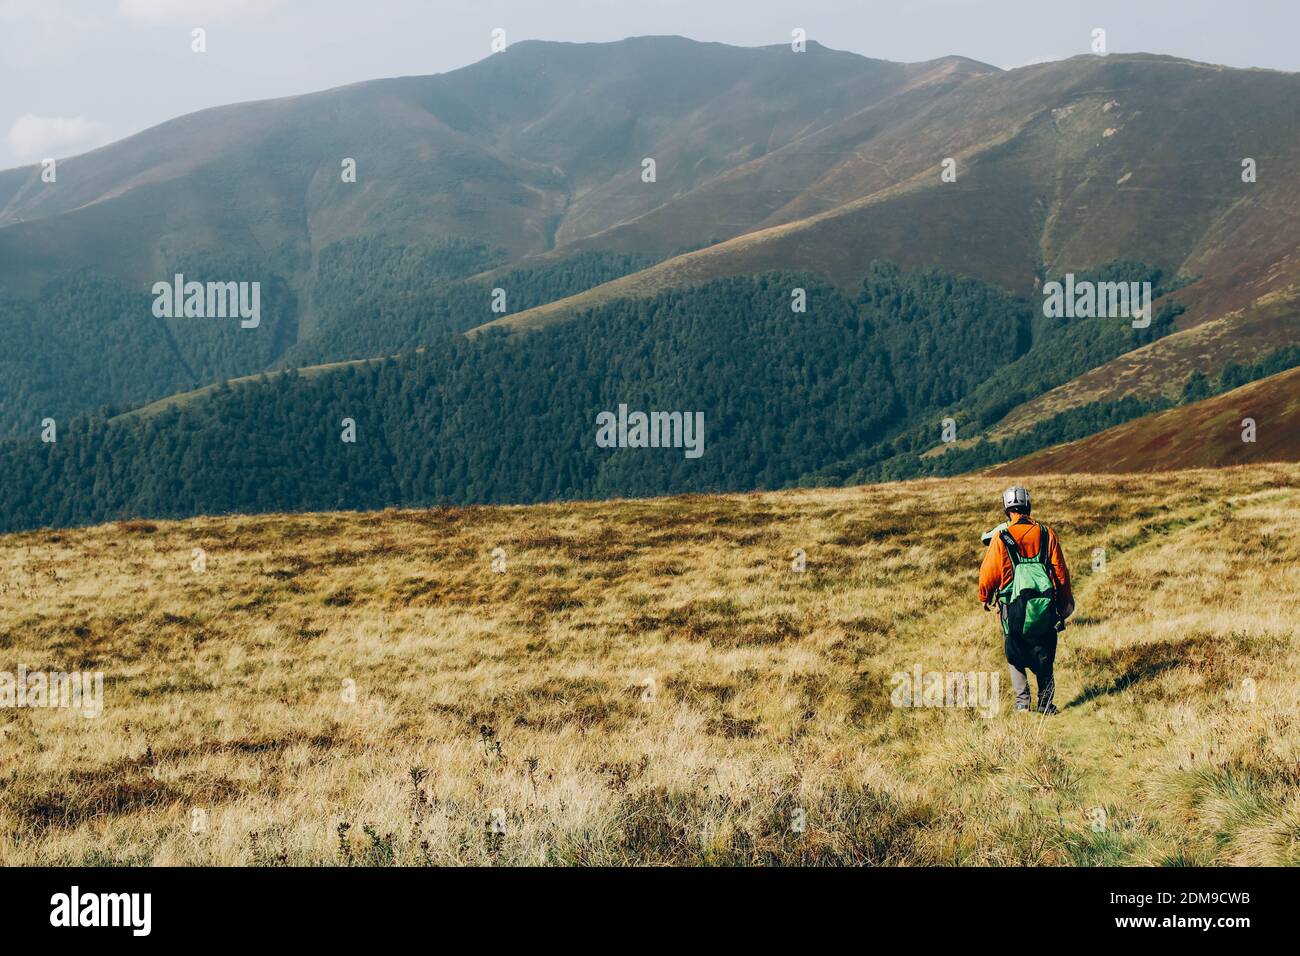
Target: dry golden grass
(651, 682)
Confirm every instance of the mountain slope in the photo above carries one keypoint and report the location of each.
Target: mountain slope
(1068, 165)
(514, 418)
(1243, 335)
(1204, 434)
(538, 144)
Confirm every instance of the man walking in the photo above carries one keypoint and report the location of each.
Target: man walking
(1024, 572)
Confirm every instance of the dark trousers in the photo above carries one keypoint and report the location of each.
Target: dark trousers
(1023, 655)
(1020, 685)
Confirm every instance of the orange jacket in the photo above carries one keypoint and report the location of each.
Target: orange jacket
(996, 573)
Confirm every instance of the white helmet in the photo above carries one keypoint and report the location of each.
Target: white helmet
(1017, 498)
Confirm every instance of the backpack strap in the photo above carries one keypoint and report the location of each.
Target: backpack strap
(1045, 547)
(1010, 544)
(1045, 554)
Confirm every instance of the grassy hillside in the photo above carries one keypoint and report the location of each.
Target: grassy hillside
(652, 682)
(1239, 336)
(1065, 166)
(1203, 434)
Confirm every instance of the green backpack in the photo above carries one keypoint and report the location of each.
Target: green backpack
(1029, 601)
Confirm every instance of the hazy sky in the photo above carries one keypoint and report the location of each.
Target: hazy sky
(75, 74)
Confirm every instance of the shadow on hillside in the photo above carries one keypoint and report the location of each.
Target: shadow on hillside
(1141, 662)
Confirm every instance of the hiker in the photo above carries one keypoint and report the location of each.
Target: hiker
(1033, 595)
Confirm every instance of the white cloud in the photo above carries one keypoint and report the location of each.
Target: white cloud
(192, 12)
(36, 137)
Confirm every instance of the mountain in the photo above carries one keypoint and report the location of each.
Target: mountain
(533, 147)
(509, 197)
(1069, 164)
(527, 151)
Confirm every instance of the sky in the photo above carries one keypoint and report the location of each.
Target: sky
(75, 74)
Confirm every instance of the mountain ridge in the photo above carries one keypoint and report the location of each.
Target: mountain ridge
(499, 177)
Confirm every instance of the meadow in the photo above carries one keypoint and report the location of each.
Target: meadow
(692, 680)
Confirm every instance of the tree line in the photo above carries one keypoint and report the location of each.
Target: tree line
(849, 389)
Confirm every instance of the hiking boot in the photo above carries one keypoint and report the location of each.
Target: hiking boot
(1049, 710)
(1022, 708)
